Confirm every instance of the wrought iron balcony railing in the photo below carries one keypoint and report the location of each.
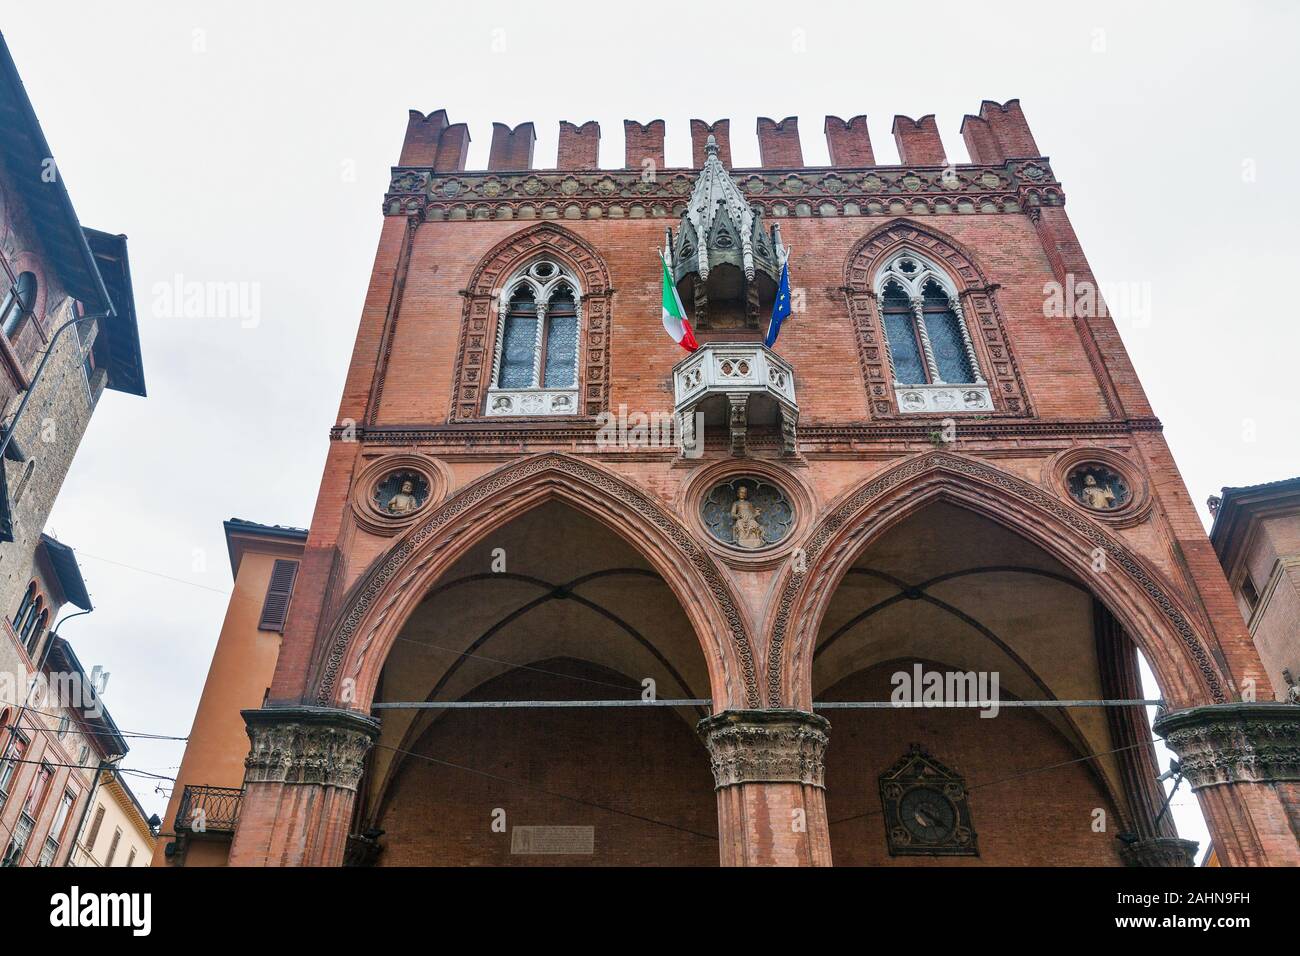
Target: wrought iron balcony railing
(209, 810)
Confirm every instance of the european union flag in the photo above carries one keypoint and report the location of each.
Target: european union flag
(781, 307)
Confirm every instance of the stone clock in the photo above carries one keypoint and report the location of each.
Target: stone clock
(926, 811)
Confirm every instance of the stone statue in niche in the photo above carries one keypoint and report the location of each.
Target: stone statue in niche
(401, 493)
(404, 500)
(745, 528)
(747, 513)
(1098, 488)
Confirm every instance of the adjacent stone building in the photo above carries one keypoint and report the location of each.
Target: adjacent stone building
(67, 332)
(117, 832)
(572, 595)
(1256, 534)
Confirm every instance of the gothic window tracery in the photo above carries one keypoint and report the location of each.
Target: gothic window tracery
(535, 369)
(929, 343)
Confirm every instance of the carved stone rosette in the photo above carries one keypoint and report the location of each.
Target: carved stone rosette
(1161, 851)
(1224, 743)
(766, 746)
(308, 744)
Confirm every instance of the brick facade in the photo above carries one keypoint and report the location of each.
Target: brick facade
(1063, 392)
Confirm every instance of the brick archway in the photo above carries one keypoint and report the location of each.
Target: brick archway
(378, 605)
(478, 327)
(1172, 641)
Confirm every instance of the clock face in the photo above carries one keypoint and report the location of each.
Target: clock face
(927, 814)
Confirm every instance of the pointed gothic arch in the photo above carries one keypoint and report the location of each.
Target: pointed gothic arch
(1171, 637)
(477, 345)
(378, 605)
(975, 301)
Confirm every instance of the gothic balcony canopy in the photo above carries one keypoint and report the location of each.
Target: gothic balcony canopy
(737, 383)
(723, 261)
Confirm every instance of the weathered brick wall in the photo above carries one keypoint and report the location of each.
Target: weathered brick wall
(1039, 819)
(645, 764)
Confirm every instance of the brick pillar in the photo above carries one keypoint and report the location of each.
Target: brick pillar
(768, 766)
(300, 782)
(1243, 762)
(778, 143)
(700, 133)
(981, 144)
(918, 141)
(1008, 124)
(512, 149)
(420, 147)
(453, 149)
(849, 142)
(642, 144)
(579, 146)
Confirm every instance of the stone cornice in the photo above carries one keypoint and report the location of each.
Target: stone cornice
(308, 744)
(582, 431)
(766, 746)
(1225, 743)
(1013, 187)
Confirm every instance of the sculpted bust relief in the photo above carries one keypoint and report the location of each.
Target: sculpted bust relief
(404, 501)
(1098, 488)
(400, 494)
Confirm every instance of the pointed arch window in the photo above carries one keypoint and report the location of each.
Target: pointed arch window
(535, 369)
(17, 303)
(932, 356)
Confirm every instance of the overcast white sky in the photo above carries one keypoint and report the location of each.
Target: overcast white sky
(251, 143)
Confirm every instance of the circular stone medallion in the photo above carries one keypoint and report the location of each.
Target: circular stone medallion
(747, 513)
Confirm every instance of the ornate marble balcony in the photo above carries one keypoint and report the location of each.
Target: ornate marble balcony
(739, 384)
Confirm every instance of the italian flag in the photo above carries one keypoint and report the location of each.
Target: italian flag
(675, 323)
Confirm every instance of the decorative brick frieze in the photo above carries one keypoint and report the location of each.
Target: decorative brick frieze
(1011, 187)
(1226, 743)
(766, 746)
(308, 744)
(1160, 851)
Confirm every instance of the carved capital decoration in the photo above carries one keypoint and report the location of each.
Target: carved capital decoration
(1226, 743)
(1160, 851)
(306, 744)
(766, 746)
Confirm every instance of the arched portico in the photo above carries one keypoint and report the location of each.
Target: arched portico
(1196, 675)
(1171, 638)
(438, 558)
(378, 605)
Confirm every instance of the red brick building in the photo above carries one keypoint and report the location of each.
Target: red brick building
(945, 468)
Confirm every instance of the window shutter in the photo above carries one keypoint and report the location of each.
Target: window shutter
(276, 607)
(94, 828)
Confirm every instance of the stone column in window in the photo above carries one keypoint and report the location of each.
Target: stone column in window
(918, 315)
(957, 310)
(539, 341)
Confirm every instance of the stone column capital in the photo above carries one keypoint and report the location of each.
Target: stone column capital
(1160, 851)
(308, 744)
(1235, 742)
(766, 746)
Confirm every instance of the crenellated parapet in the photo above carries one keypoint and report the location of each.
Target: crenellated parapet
(1005, 175)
